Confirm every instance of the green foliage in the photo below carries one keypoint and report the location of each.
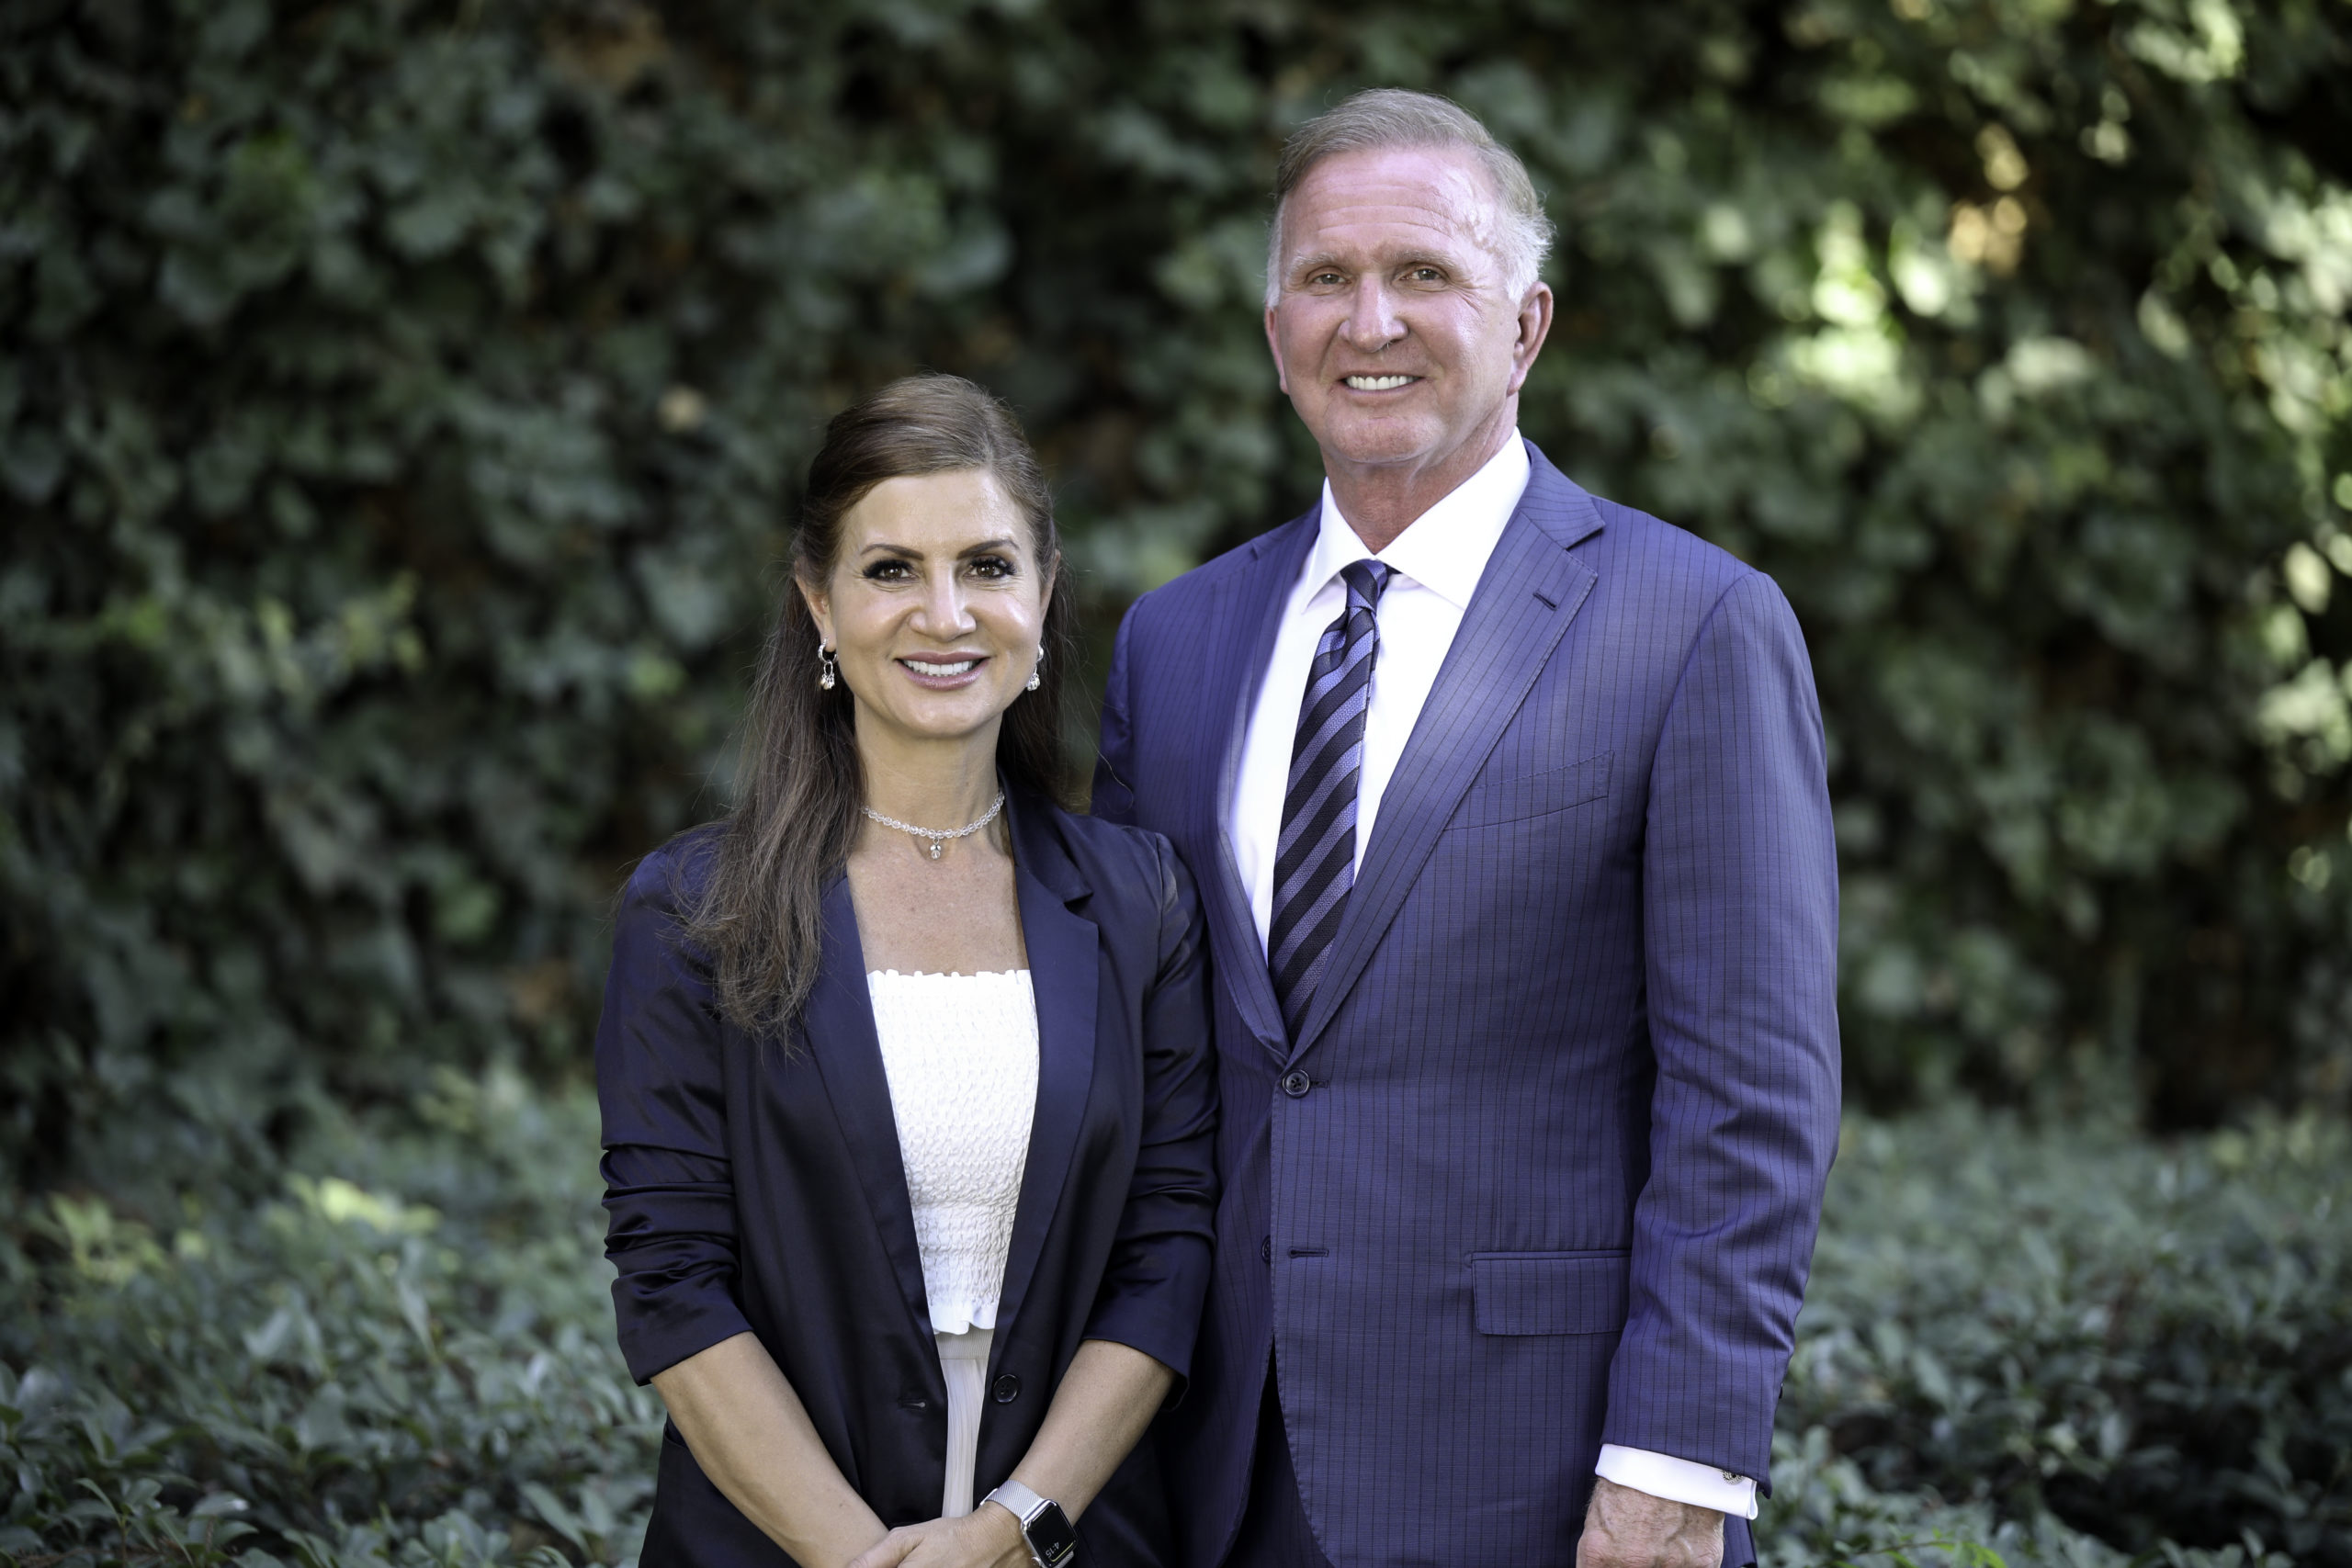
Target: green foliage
(2153, 1341)
(407, 1361)
(401, 401)
(2019, 1349)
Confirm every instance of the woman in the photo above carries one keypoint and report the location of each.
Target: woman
(906, 1095)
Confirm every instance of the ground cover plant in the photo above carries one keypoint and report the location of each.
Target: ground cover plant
(2057, 1348)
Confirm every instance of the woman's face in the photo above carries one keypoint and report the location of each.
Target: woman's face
(936, 605)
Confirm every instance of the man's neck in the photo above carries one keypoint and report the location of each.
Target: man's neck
(1381, 500)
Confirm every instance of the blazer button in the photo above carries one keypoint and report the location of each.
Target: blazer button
(1295, 1084)
(1266, 1249)
(1006, 1389)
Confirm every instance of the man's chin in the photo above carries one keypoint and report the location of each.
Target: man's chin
(1375, 444)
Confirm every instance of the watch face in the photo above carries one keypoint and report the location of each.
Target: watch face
(1050, 1536)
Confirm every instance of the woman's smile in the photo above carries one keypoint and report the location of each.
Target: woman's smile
(943, 671)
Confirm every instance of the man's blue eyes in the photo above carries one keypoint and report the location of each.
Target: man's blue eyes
(1417, 275)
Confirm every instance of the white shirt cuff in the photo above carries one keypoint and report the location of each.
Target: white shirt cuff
(1678, 1480)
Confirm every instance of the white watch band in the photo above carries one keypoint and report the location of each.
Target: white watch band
(1016, 1500)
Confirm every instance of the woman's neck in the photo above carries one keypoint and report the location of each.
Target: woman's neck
(932, 783)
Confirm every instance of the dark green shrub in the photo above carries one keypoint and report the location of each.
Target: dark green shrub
(2064, 1349)
(400, 405)
(2151, 1340)
(408, 1361)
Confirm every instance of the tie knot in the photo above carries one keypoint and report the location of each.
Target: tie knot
(1364, 579)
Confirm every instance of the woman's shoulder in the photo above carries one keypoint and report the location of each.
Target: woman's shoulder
(670, 880)
(1118, 857)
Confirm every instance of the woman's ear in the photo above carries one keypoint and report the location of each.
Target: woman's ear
(820, 609)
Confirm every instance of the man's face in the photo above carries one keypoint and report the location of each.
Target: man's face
(1394, 331)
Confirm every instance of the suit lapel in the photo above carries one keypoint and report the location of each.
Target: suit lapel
(1250, 614)
(838, 1023)
(1529, 591)
(1064, 970)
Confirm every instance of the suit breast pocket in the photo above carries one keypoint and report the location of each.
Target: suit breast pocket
(1551, 1293)
(1489, 801)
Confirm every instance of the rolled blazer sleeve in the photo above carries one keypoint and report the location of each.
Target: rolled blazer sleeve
(1740, 916)
(669, 1192)
(1157, 1274)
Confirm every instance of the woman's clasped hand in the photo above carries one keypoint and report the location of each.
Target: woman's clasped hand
(908, 1096)
(988, 1538)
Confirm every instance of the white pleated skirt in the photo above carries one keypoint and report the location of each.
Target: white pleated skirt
(965, 1359)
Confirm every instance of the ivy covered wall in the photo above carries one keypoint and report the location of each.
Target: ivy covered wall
(402, 405)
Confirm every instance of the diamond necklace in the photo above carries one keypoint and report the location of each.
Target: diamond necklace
(939, 839)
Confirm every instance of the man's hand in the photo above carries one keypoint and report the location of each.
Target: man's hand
(1625, 1529)
(988, 1537)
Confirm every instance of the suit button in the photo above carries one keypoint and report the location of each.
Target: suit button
(1266, 1249)
(1295, 1084)
(1006, 1389)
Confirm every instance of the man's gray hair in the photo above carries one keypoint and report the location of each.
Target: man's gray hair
(1380, 119)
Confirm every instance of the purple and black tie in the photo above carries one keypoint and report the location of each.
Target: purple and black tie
(1315, 858)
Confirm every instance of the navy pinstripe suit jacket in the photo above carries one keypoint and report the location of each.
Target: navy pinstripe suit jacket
(1543, 1166)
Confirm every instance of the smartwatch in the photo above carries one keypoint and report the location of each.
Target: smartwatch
(1052, 1542)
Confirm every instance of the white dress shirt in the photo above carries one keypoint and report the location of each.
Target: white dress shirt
(1435, 564)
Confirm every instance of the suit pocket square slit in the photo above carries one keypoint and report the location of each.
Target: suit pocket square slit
(1489, 801)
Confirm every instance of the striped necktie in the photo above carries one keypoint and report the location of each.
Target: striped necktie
(1315, 859)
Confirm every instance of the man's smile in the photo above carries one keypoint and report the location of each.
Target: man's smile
(1378, 383)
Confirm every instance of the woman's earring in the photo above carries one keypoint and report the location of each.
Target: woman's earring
(828, 673)
(1032, 668)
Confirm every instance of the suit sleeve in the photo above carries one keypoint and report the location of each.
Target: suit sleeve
(1158, 1276)
(668, 1190)
(1114, 797)
(1740, 930)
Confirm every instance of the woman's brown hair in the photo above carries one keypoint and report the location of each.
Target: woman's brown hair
(801, 789)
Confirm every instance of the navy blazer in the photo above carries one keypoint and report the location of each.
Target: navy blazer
(1543, 1166)
(755, 1183)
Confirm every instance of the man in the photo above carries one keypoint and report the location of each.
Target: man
(1508, 806)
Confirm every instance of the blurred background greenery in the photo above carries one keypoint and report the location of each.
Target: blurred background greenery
(401, 408)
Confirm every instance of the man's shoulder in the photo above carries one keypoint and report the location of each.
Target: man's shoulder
(1185, 593)
(1651, 545)
(1653, 560)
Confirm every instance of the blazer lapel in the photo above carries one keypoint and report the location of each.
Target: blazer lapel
(1250, 613)
(838, 1024)
(1531, 590)
(1064, 970)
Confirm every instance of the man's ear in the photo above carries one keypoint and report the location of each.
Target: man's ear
(1274, 347)
(1534, 326)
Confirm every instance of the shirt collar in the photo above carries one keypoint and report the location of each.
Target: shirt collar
(1445, 549)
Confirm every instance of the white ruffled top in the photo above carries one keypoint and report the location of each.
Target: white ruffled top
(960, 1051)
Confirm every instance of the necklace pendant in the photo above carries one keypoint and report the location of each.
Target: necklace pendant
(935, 847)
